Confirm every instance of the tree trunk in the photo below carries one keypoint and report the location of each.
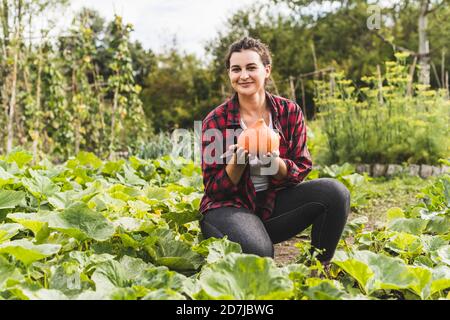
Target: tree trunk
(12, 104)
(424, 45)
(113, 124)
(37, 118)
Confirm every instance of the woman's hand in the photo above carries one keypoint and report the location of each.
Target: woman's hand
(240, 155)
(267, 158)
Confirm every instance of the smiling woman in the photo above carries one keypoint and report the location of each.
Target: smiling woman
(243, 201)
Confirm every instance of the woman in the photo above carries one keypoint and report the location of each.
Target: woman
(254, 209)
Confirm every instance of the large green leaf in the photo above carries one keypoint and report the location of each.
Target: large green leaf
(40, 186)
(167, 251)
(82, 223)
(358, 270)
(439, 225)
(412, 225)
(6, 178)
(25, 251)
(25, 293)
(444, 254)
(9, 274)
(389, 273)
(89, 159)
(216, 249)
(422, 281)
(20, 157)
(405, 243)
(9, 230)
(164, 294)
(441, 279)
(322, 289)
(32, 221)
(10, 199)
(240, 276)
(162, 278)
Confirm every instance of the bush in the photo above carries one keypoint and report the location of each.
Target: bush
(384, 122)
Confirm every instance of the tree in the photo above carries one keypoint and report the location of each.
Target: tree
(127, 112)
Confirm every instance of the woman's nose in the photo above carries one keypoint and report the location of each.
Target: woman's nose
(244, 75)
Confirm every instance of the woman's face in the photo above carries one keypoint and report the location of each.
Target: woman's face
(247, 72)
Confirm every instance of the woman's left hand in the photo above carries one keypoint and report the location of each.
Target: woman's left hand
(270, 156)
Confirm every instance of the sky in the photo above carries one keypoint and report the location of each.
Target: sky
(156, 21)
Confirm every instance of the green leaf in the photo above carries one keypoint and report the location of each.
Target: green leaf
(444, 254)
(422, 281)
(358, 270)
(157, 193)
(40, 186)
(162, 278)
(322, 289)
(438, 225)
(88, 159)
(82, 223)
(25, 251)
(131, 177)
(9, 274)
(10, 199)
(394, 213)
(165, 250)
(389, 273)
(112, 167)
(412, 225)
(6, 178)
(216, 249)
(164, 294)
(25, 293)
(248, 277)
(20, 157)
(32, 221)
(441, 279)
(405, 243)
(9, 230)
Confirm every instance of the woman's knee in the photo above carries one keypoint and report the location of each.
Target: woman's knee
(244, 228)
(336, 191)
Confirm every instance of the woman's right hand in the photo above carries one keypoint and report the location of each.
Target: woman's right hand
(240, 155)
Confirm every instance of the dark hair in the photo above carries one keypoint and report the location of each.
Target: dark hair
(248, 43)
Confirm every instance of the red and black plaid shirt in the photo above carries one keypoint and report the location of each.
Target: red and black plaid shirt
(287, 119)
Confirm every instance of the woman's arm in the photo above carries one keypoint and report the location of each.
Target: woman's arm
(282, 169)
(236, 167)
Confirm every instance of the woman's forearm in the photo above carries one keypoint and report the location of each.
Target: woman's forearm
(235, 170)
(282, 169)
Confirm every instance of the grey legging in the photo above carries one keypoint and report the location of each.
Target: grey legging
(323, 203)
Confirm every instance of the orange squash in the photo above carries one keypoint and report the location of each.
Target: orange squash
(259, 139)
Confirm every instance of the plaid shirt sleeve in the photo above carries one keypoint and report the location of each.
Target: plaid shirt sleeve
(299, 163)
(217, 183)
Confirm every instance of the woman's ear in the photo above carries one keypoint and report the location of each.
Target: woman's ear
(268, 70)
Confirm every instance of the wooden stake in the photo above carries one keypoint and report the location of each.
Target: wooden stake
(292, 86)
(436, 75)
(274, 85)
(443, 68)
(412, 70)
(303, 97)
(380, 85)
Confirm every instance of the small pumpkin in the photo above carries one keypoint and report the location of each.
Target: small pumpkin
(259, 139)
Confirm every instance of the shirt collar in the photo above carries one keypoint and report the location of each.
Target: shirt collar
(233, 115)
